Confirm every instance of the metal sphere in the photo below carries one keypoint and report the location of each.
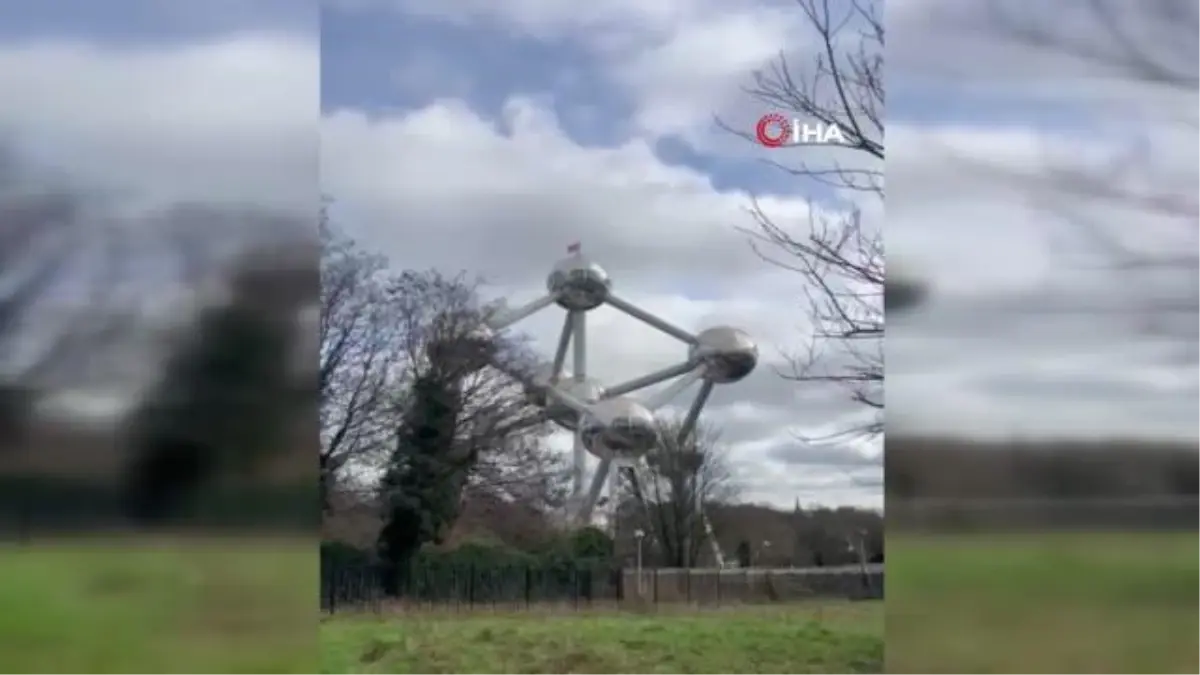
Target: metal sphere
(578, 283)
(620, 428)
(727, 354)
(588, 391)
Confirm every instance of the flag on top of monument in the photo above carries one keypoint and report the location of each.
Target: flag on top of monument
(574, 248)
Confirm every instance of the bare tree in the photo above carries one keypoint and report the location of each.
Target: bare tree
(1148, 50)
(679, 479)
(60, 261)
(380, 331)
(359, 336)
(441, 330)
(463, 420)
(838, 254)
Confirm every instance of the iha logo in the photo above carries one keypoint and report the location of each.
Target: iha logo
(775, 131)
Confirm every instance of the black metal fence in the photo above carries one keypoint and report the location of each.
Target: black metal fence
(465, 587)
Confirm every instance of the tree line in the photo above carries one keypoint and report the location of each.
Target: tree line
(938, 483)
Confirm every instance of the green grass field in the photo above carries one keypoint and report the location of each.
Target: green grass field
(1045, 603)
(179, 605)
(824, 638)
(163, 606)
(1022, 603)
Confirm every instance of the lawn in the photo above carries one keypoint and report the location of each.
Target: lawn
(177, 605)
(1043, 603)
(158, 605)
(804, 638)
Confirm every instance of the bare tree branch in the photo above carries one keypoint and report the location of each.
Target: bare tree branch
(838, 256)
(61, 260)
(359, 350)
(1149, 48)
(380, 331)
(675, 483)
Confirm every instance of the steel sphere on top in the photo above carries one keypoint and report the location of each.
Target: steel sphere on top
(578, 283)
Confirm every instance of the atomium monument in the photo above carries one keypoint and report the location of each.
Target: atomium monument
(607, 422)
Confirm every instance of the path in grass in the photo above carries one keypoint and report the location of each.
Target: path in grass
(1039, 603)
(834, 638)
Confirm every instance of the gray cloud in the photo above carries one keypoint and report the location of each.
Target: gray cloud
(800, 454)
(1103, 389)
(986, 39)
(1031, 330)
(652, 225)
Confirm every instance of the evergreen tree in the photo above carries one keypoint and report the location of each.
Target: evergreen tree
(218, 405)
(422, 486)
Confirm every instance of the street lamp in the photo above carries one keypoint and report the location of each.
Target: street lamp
(857, 545)
(639, 535)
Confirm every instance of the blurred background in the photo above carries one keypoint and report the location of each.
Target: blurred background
(161, 348)
(158, 281)
(1041, 456)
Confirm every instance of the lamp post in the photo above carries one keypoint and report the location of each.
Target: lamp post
(639, 535)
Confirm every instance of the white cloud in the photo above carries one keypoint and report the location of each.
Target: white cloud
(698, 72)
(531, 191)
(680, 62)
(606, 22)
(1029, 333)
(227, 121)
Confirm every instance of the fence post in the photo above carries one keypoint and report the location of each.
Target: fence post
(25, 523)
(656, 571)
(587, 586)
(575, 585)
(425, 588)
(471, 586)
(720, 583)
(687, 585)
(330, 579)
(528, 586)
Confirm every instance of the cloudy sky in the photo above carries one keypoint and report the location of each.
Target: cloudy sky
(1031, 332)
(486, 136)
(489, 136)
